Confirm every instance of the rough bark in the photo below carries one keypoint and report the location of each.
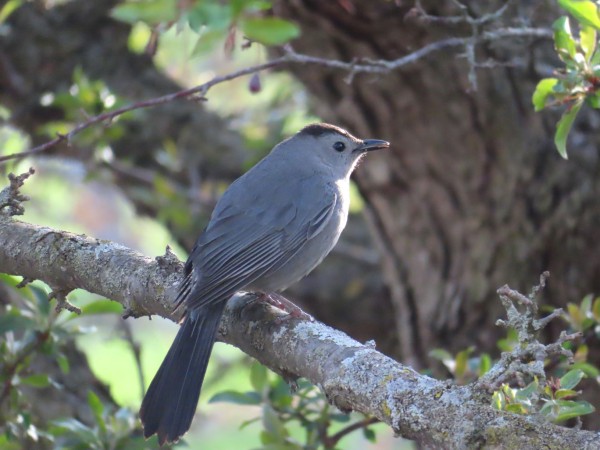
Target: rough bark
(352, 375)
(473, 194)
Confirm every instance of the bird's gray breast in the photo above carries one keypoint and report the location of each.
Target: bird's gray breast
(319, 240)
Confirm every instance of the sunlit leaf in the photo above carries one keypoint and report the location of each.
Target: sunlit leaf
(585, 11)
(498, 401)
(543, 90)
(270, 30)
(485, 364)
(565, 393)
(103, 306)
(596, 309)
(563, 39)
(8, 8)
(208, 40)
(587, 41)
(516, 408)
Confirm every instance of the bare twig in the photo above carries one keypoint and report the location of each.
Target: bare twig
(11, 198)
(464, 17)
(332, 441)
(529, 354)
(354, 67)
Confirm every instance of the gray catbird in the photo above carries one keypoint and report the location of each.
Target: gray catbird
(270, 228)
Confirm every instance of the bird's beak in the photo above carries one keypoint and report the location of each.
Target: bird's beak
(371, 144)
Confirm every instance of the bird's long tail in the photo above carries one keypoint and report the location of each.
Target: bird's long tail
(170, 403)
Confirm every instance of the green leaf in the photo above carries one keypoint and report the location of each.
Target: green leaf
(41, 297)
(342, 418)
(587, 41)
(75, 427)
(95, 404)
(564, 127)
(485, 364)
(527, 392)
(567, 409)
(563, 393)
(543, 90)
(498, 401)
(63, 363)
(563, 39)
(149, 11)
(273, 424)
(596, 309)
(369, 435)
(585, 11)
(571, 379)
(270, 30)
(516, 408)
(462, 358)
(104, 306)
(212, 15)
(575, 315)
(239, 398)
(441, 354)
(586, 304)
(39, 380)
(240, 6)
(258, 376)
(14, 322)
(589, 369)
(8, 8)
(207, 41)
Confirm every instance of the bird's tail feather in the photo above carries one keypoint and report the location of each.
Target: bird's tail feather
(170, 403)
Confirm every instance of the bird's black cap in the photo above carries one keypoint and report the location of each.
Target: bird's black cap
(319, 129)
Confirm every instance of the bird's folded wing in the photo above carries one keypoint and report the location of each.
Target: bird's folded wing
(241, 245)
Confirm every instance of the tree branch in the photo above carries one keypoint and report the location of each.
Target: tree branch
(291, 57)
(352, 375)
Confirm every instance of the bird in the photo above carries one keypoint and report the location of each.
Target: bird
(270, 228)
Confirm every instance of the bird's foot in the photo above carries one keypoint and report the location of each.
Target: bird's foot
(280, 302)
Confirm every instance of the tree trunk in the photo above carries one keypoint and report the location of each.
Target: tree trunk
(473, 194)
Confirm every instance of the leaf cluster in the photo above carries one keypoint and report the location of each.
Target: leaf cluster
(578, 82)
(283, 412)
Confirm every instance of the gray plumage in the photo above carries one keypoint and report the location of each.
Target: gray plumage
(270, 228)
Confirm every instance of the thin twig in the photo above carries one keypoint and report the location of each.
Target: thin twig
(332, 441)
(291, 57)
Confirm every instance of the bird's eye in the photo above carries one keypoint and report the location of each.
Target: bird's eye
(339, 146)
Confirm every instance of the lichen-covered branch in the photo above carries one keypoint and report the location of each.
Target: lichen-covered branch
(352, 375)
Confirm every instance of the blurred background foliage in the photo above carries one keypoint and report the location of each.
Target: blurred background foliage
(472, 197)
